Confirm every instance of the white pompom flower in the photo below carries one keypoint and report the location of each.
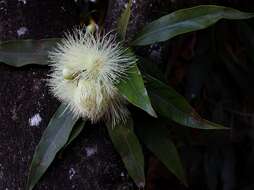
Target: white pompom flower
(85, 71)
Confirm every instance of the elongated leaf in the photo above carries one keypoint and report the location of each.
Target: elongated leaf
(127, 145)
(124, 21)
(157, 138)
(169, 104)
(186, 20)
(18, 53)
(134, 91)
(53, 139)
(77, 129)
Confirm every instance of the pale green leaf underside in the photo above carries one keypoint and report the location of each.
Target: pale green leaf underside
(124, 21)
(53, 139)
(19, 53)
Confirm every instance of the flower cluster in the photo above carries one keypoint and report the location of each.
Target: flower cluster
(85, 71)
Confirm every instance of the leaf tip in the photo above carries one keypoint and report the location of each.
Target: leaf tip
(152, 112)
(215, 126)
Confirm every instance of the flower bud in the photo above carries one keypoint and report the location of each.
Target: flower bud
(92, 27)
(68, 74)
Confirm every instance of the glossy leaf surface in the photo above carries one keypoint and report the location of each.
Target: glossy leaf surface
(171, 105)
(133, 89)
(186, 20)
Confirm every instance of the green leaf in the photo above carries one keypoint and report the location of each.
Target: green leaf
(77, 129)
(53, 139)
(186, 20)
(18, 53)
(130, 150)
(124, 21)
(134, 91)
(171, 105)
(157, 138)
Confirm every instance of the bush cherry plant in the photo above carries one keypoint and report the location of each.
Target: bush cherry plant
(95, 76)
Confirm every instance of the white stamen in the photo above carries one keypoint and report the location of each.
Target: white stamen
(85, 70)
